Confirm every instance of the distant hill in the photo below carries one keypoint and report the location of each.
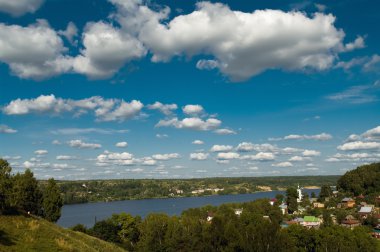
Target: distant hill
(363, 180)
(128, 189)
(19, 233)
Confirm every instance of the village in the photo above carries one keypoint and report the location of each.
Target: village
(337, 209)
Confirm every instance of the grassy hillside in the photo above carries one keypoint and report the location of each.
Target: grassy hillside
(18, 233)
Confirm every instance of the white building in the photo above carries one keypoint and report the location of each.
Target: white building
(299, 193)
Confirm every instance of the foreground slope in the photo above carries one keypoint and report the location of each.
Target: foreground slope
(18, 233)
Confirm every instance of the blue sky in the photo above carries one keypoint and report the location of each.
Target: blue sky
(182, 89)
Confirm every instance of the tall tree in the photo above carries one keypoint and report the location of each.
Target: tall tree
(5, 185)
(26, 195)
(325, 192)
(291, 199)
(52, 201)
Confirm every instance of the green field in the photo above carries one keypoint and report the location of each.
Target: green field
(18, 233)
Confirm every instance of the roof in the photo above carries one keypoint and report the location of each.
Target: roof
(298, 219)
(346, 199)
(310, 219)
(350, 222)
(350, 217)
(365, 209)
(283, 206)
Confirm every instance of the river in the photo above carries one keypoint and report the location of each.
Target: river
(87, 213)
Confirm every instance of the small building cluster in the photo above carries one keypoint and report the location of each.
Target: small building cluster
(357, 213)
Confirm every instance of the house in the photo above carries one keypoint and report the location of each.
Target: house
(376, 232)
(198, 191)
(350, 222)
(272, 201)
(210, 216)
(312, 200)
(365, 211)
(347, 203)
(297, 220)
(311, 222)
(318, 205)
(238, 211)
(284, 208)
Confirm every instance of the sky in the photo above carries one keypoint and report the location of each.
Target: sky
(99, 89)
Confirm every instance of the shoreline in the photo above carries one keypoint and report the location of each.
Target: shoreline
(280, 189)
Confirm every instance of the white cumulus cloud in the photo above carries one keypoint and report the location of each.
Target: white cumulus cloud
(103, 109)
(166, 109)
(193, 123)
(198, 142)
(319, 137)
(65, 157)
(83, 145)
(20, 7)
(41, 152)
(121, 144)
(193, 110)
(311, 153)
(283, 164)
(225, 132)
(165, 157)
(372, 134)
(266, 39)
(199, 156)
(6, 129)
(221, 148)
(33, 52)
(106, 50)
(228, 155)
(261, 156)
(359, 145)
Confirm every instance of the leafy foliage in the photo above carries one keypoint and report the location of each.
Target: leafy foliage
(109, 190)
(21, 193)
(363, 180)
(291, 199)
(256, 229)
(52, 201)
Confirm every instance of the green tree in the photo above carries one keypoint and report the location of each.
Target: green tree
(291, 199)
(313, 195)
(52, 201)
(106, 230)
(280, 198)
(326, 192)
(79, 228)
(26, 195)
(128, 229)
(327, 220)
(5, 185)
(153, 231)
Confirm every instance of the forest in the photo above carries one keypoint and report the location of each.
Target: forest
(125, 189)
(250, 226)
(21, 193)
(257, 228)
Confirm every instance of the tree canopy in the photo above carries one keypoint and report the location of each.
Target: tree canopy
(364, 179)
(21, 193)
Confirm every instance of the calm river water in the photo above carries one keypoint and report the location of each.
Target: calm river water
(87, 213)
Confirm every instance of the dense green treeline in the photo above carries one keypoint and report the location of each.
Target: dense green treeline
(109, 190)
(221, 228)
(22, 194)
(362, 180)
